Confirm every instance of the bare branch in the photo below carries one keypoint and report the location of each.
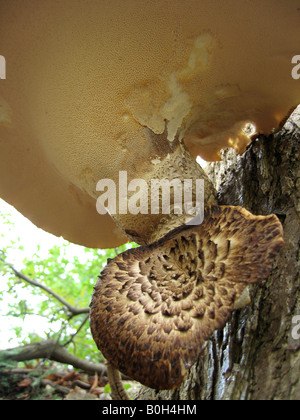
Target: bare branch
(50, 349)
(72, 309)
(77, 331)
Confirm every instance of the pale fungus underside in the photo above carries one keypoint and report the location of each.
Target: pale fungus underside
(88, 82)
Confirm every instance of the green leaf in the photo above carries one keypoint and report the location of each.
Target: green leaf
(107, 389)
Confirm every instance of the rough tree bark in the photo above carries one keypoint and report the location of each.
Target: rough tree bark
(255, 356)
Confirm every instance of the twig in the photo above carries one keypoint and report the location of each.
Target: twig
(81, 384)
(77, 331)
(64, 390)
(117, 389)
(73, 310)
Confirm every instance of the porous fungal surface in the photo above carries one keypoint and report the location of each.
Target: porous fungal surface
(90, 82)
(154, 307)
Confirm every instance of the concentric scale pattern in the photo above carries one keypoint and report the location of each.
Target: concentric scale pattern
(154, 306)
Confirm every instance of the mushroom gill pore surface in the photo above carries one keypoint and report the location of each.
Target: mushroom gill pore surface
(154, 307)
(91, 86)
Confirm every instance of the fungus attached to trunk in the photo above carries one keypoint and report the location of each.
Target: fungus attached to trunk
(93, 88)
(155, 306)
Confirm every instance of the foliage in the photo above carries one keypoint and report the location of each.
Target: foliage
(68, 270)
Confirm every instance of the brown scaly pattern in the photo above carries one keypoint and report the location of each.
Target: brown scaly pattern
(154, 307)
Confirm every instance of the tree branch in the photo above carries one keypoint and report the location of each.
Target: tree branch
(50, 349)
(77, 331)
(72, 309)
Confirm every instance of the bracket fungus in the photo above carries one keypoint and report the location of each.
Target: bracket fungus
(93, 88)
(154, 306)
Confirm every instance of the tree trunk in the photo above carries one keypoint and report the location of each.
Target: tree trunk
(256, 356)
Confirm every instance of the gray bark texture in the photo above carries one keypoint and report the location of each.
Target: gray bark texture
(256, 356)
